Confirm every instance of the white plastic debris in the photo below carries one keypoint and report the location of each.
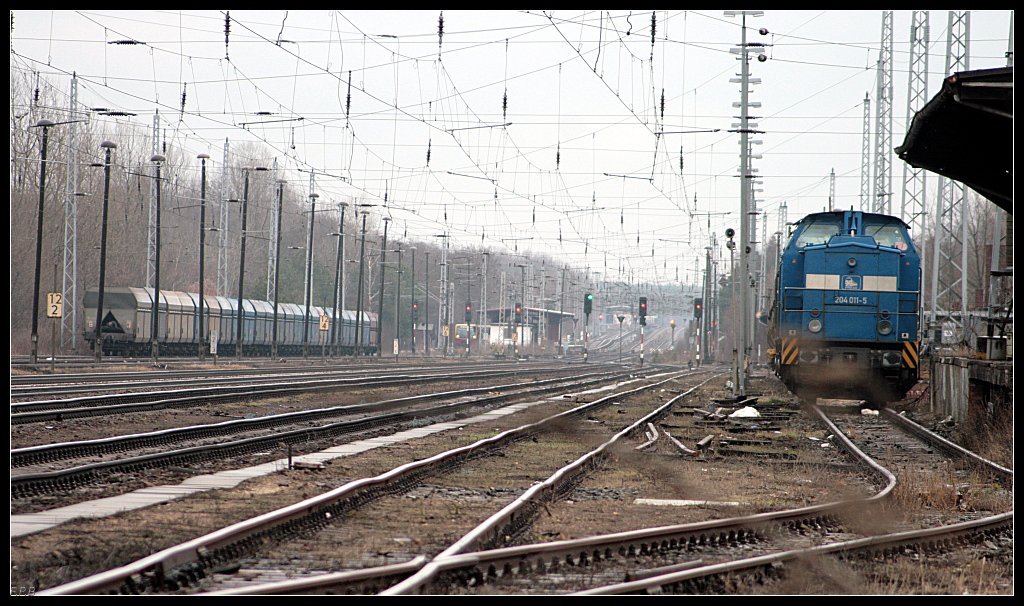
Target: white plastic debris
(868, 412)
(747, 412)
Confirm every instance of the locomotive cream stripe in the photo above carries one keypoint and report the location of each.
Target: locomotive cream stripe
(870, 283)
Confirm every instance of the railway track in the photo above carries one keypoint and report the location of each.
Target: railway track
(737, 554)
(141, 401)
(312, 514)
(29, 386)
(271, 433)
(671, 559)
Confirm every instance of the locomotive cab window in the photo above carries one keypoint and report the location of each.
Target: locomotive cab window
(817, 231)
(888, 234)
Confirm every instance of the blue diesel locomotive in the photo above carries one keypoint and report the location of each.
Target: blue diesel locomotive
(127, 321)
(844, 319)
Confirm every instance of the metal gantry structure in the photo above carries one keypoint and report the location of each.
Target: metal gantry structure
(151, 237)
(223, 287)
(69, 286)
(949, 257)
(276, 241)
(883, 122)
(865, 157)
(912, 204)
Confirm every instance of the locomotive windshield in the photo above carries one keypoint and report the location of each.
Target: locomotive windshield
(887, 234)
(818, 231)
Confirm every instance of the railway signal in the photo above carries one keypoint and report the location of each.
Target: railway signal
(588, 303)
(469, 313)
(519, 313)
(415, 311)
(643, 311)
(698, 308)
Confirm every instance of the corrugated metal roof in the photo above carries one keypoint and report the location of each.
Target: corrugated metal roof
(965, 133)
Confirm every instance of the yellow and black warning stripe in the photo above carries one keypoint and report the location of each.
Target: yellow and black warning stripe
(790, 351)
(911, 354)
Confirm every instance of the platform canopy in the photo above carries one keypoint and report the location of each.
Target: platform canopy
(965, 133)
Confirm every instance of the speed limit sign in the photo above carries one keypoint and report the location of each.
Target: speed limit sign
(54, 305)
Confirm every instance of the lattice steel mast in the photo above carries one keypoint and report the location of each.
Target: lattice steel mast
(865, 157)
(883, 122)
(222, 241)
(151, 233)
(912, 205)
(950, 252)
(69, 287)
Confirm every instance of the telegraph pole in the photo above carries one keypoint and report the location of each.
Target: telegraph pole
(705, 319)
(561, 310)
(202, 255)
(339, 279)
(359, 297)
(745, 174)
(380, 303)
(426, 304)
(307, 295)
(277, 264)
(398, 303)
(108, 146)
(154, 335)
(416, 312)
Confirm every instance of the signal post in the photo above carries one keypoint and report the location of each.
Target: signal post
(469, 326)
(643, 323)
(588, 306)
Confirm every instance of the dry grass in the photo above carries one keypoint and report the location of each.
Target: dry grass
(989, 436)
(919, 490)
(960, 575)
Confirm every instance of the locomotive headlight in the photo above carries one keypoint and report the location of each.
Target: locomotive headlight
(891, 358)
(884, 327)
(814, 325)
(851, 262)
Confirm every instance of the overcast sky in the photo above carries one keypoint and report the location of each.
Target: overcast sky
(572, 166)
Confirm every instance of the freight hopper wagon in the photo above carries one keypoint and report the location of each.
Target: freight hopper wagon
(127, 324)
(844, 320)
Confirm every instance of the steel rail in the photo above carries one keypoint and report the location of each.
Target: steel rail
(591, 549)
(186, 561)
(112, 381)
(31, 455)
(182, 399)
(513, 517)
(948, 447)
(42, 482)
(963, 530)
